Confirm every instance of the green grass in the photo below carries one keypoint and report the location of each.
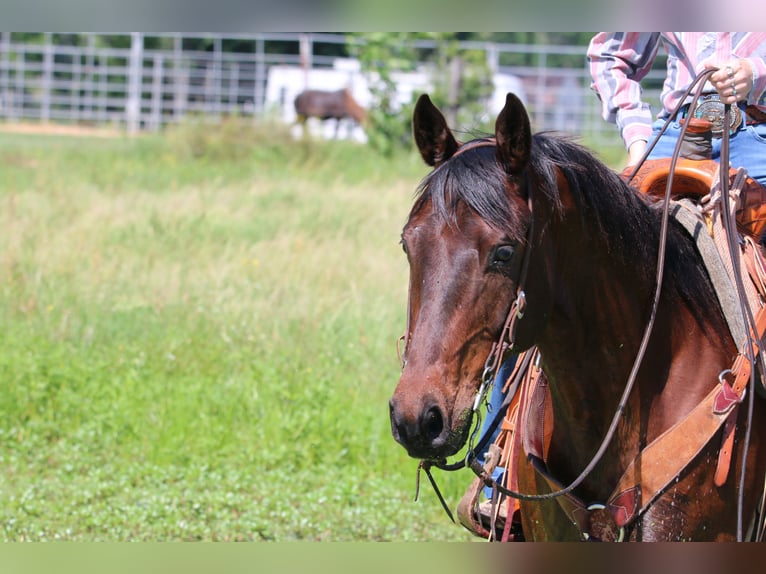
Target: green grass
(199, 340)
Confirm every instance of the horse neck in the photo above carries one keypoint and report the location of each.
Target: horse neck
(354, 110)
(599, 311)
(597, 305)
(597, 318)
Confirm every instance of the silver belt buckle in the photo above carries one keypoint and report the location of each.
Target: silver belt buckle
(711, 108)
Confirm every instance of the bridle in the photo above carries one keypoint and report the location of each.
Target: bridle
(506, 339)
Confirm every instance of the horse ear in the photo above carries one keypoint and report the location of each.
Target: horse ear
(432, 136)
(513, 135)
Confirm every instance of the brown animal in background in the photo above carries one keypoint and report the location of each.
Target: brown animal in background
(326, 105)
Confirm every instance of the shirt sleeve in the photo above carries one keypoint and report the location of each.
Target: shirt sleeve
(758, 92)
(617, 62)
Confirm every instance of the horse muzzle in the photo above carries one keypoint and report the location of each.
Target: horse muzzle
(424, 429)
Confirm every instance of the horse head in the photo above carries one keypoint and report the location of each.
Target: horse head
(464, 272)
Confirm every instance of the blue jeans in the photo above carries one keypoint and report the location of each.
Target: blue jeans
(496, 398)
(747, 147)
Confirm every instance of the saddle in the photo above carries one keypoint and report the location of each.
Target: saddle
(528, 421)
(694, 179)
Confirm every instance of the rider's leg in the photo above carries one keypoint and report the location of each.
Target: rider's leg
(747, 148)
(496, 399)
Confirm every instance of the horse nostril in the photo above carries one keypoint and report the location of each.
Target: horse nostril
(432, 424)
(398, 428)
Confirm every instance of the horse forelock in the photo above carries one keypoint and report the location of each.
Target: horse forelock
(472, 178)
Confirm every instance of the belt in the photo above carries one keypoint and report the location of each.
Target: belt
(709, 107)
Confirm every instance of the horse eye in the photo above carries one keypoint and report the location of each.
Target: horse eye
(503, 254)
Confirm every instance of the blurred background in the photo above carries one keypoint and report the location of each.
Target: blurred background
(144, 82)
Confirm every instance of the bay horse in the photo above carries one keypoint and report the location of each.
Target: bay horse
(540, 212)
(326, 105)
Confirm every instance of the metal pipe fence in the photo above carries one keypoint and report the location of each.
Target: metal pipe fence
(159, 79)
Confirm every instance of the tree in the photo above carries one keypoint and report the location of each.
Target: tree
(461, 81)
(381, 55)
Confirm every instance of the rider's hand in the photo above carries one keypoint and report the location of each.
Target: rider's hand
(733, 80)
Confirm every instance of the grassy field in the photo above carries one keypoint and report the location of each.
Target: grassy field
(199, 340)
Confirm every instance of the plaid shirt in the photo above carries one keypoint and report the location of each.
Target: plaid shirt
(619, 60)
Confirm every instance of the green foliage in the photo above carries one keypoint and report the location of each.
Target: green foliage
(461, 81)
(381, 55)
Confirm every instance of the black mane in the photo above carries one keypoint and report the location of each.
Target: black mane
(625, 219)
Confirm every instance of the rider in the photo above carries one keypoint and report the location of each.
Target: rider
(620, 60)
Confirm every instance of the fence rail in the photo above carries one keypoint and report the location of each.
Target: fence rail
(141, 87)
